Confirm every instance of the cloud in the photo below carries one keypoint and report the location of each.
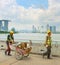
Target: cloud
(21, 16)
(54, 3)
(52, 14)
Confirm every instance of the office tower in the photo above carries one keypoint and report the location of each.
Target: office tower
(53, 29)
(4, 25)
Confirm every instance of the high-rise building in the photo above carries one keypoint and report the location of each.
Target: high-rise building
(4, 25)
(53, 29)
(48, 27)
(0, 25)
(34, 29)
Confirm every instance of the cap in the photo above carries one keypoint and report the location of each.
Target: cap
(11, 32)
(48, 31)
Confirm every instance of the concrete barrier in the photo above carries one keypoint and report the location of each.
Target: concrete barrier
(36, 49)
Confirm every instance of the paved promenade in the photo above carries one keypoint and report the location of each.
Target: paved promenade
(31, 60)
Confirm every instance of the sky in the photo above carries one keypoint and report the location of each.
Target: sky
(33, 3)
(25, 13)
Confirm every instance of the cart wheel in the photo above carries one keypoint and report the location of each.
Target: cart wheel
(26, 55)
(18, 55)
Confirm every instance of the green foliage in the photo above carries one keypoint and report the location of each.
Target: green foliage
(6, 32)
(13, 29)
(1, 32)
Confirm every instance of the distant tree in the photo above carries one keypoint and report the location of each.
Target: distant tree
(13, 29)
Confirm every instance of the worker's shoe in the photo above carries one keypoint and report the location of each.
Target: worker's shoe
(5, 53)
(9, 55)
(43, 55)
